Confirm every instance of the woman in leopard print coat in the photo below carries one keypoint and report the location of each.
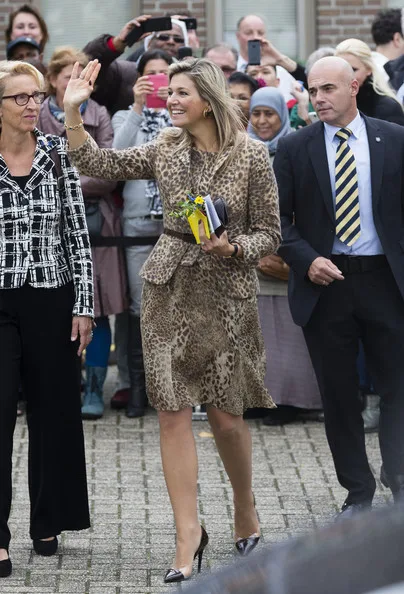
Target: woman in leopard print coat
(202, 340)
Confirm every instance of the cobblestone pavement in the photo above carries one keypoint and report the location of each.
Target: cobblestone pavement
(131, 542)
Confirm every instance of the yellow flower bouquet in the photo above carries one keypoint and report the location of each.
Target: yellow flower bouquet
(193, 209)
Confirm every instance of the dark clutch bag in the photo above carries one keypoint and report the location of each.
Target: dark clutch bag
(221, 211)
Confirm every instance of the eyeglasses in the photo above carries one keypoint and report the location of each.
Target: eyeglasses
(23, 98)
(167, 36)
(227, 69)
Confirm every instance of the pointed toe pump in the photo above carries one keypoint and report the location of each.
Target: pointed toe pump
(176, 575)
(245, 546)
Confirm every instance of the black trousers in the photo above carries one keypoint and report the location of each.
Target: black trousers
(366, 305)
(35, 346)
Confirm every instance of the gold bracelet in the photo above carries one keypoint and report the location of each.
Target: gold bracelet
(76, 127)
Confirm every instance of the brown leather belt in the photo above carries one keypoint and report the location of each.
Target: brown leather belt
(356, 264)
(188, 237)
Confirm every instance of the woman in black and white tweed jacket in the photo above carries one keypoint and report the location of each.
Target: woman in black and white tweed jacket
(46, 311)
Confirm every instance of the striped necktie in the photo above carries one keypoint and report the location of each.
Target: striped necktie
(348, 225)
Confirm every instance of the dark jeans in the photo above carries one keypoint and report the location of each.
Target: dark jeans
(35, 347)
(366, 306)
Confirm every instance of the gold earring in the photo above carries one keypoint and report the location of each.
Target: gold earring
(206, 112)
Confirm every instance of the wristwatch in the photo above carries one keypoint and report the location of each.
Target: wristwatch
(234, 254)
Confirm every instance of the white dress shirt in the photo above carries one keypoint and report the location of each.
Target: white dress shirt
(368, 243)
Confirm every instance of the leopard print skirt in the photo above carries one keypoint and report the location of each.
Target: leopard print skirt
(201, 347)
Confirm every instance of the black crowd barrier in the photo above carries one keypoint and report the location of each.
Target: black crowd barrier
(122, 241)
(355, 556)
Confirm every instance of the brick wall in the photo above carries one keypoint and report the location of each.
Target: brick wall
(336, 19)
(7, 6)
(196, 7)
(339, 19)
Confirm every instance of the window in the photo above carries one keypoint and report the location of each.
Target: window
(76, 22)
(280, 19)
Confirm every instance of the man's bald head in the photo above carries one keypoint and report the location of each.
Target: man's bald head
(333, 65)
(249, 27)
(333, 89)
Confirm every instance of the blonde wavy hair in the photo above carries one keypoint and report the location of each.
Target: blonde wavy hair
(362, 51)
(9, 69)
(63, 56)
(212, 87)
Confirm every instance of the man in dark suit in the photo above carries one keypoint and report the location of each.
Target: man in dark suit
(341, 188)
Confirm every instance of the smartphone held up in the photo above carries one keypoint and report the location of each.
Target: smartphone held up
(153, 99)
(254, 52)
(148, 26)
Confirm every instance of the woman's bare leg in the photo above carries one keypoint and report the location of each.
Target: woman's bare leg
(233, 441)
(180, 467)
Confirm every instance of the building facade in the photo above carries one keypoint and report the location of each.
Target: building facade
(296, 27)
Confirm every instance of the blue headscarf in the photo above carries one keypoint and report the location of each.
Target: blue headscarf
(272, 98)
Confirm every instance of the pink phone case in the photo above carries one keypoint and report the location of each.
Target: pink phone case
(157, 80)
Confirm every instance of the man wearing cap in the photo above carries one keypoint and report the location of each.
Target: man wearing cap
(23, 48)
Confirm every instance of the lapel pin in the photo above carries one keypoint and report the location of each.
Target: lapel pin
(378, 139)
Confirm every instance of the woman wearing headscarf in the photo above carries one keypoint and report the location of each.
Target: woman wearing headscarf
(289, 371)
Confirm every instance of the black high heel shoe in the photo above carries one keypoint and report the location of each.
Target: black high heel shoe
(175, 575)
(6, 567)
(245, 546)
(46, 548)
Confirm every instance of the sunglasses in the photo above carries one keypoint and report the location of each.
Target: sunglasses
(166, 37)
(22, 98)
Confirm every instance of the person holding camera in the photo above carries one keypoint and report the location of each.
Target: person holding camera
(202, 342)
(117, 77)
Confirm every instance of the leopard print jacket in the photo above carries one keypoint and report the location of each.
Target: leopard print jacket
(246, 182)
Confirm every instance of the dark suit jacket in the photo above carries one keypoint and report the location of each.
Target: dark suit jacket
(307, 209)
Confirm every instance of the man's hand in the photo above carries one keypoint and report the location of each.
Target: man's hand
(82, 326)
(119, 41)
(277, 59)
(274, 266)
(323, 272)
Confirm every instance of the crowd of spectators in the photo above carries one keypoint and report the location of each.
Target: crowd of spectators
(125, 220)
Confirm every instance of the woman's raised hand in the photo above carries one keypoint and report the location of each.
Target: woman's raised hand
(81, 85)
(142, 88)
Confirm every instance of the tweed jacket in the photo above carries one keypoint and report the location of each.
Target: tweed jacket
(247, 183)
(43, 233)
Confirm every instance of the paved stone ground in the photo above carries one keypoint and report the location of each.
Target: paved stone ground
(131, 542)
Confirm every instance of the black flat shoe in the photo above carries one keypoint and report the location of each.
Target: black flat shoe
(6, 568)
(134, 413)
(175, 575)
(349, 510)
(46, 548)
(282, 415)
